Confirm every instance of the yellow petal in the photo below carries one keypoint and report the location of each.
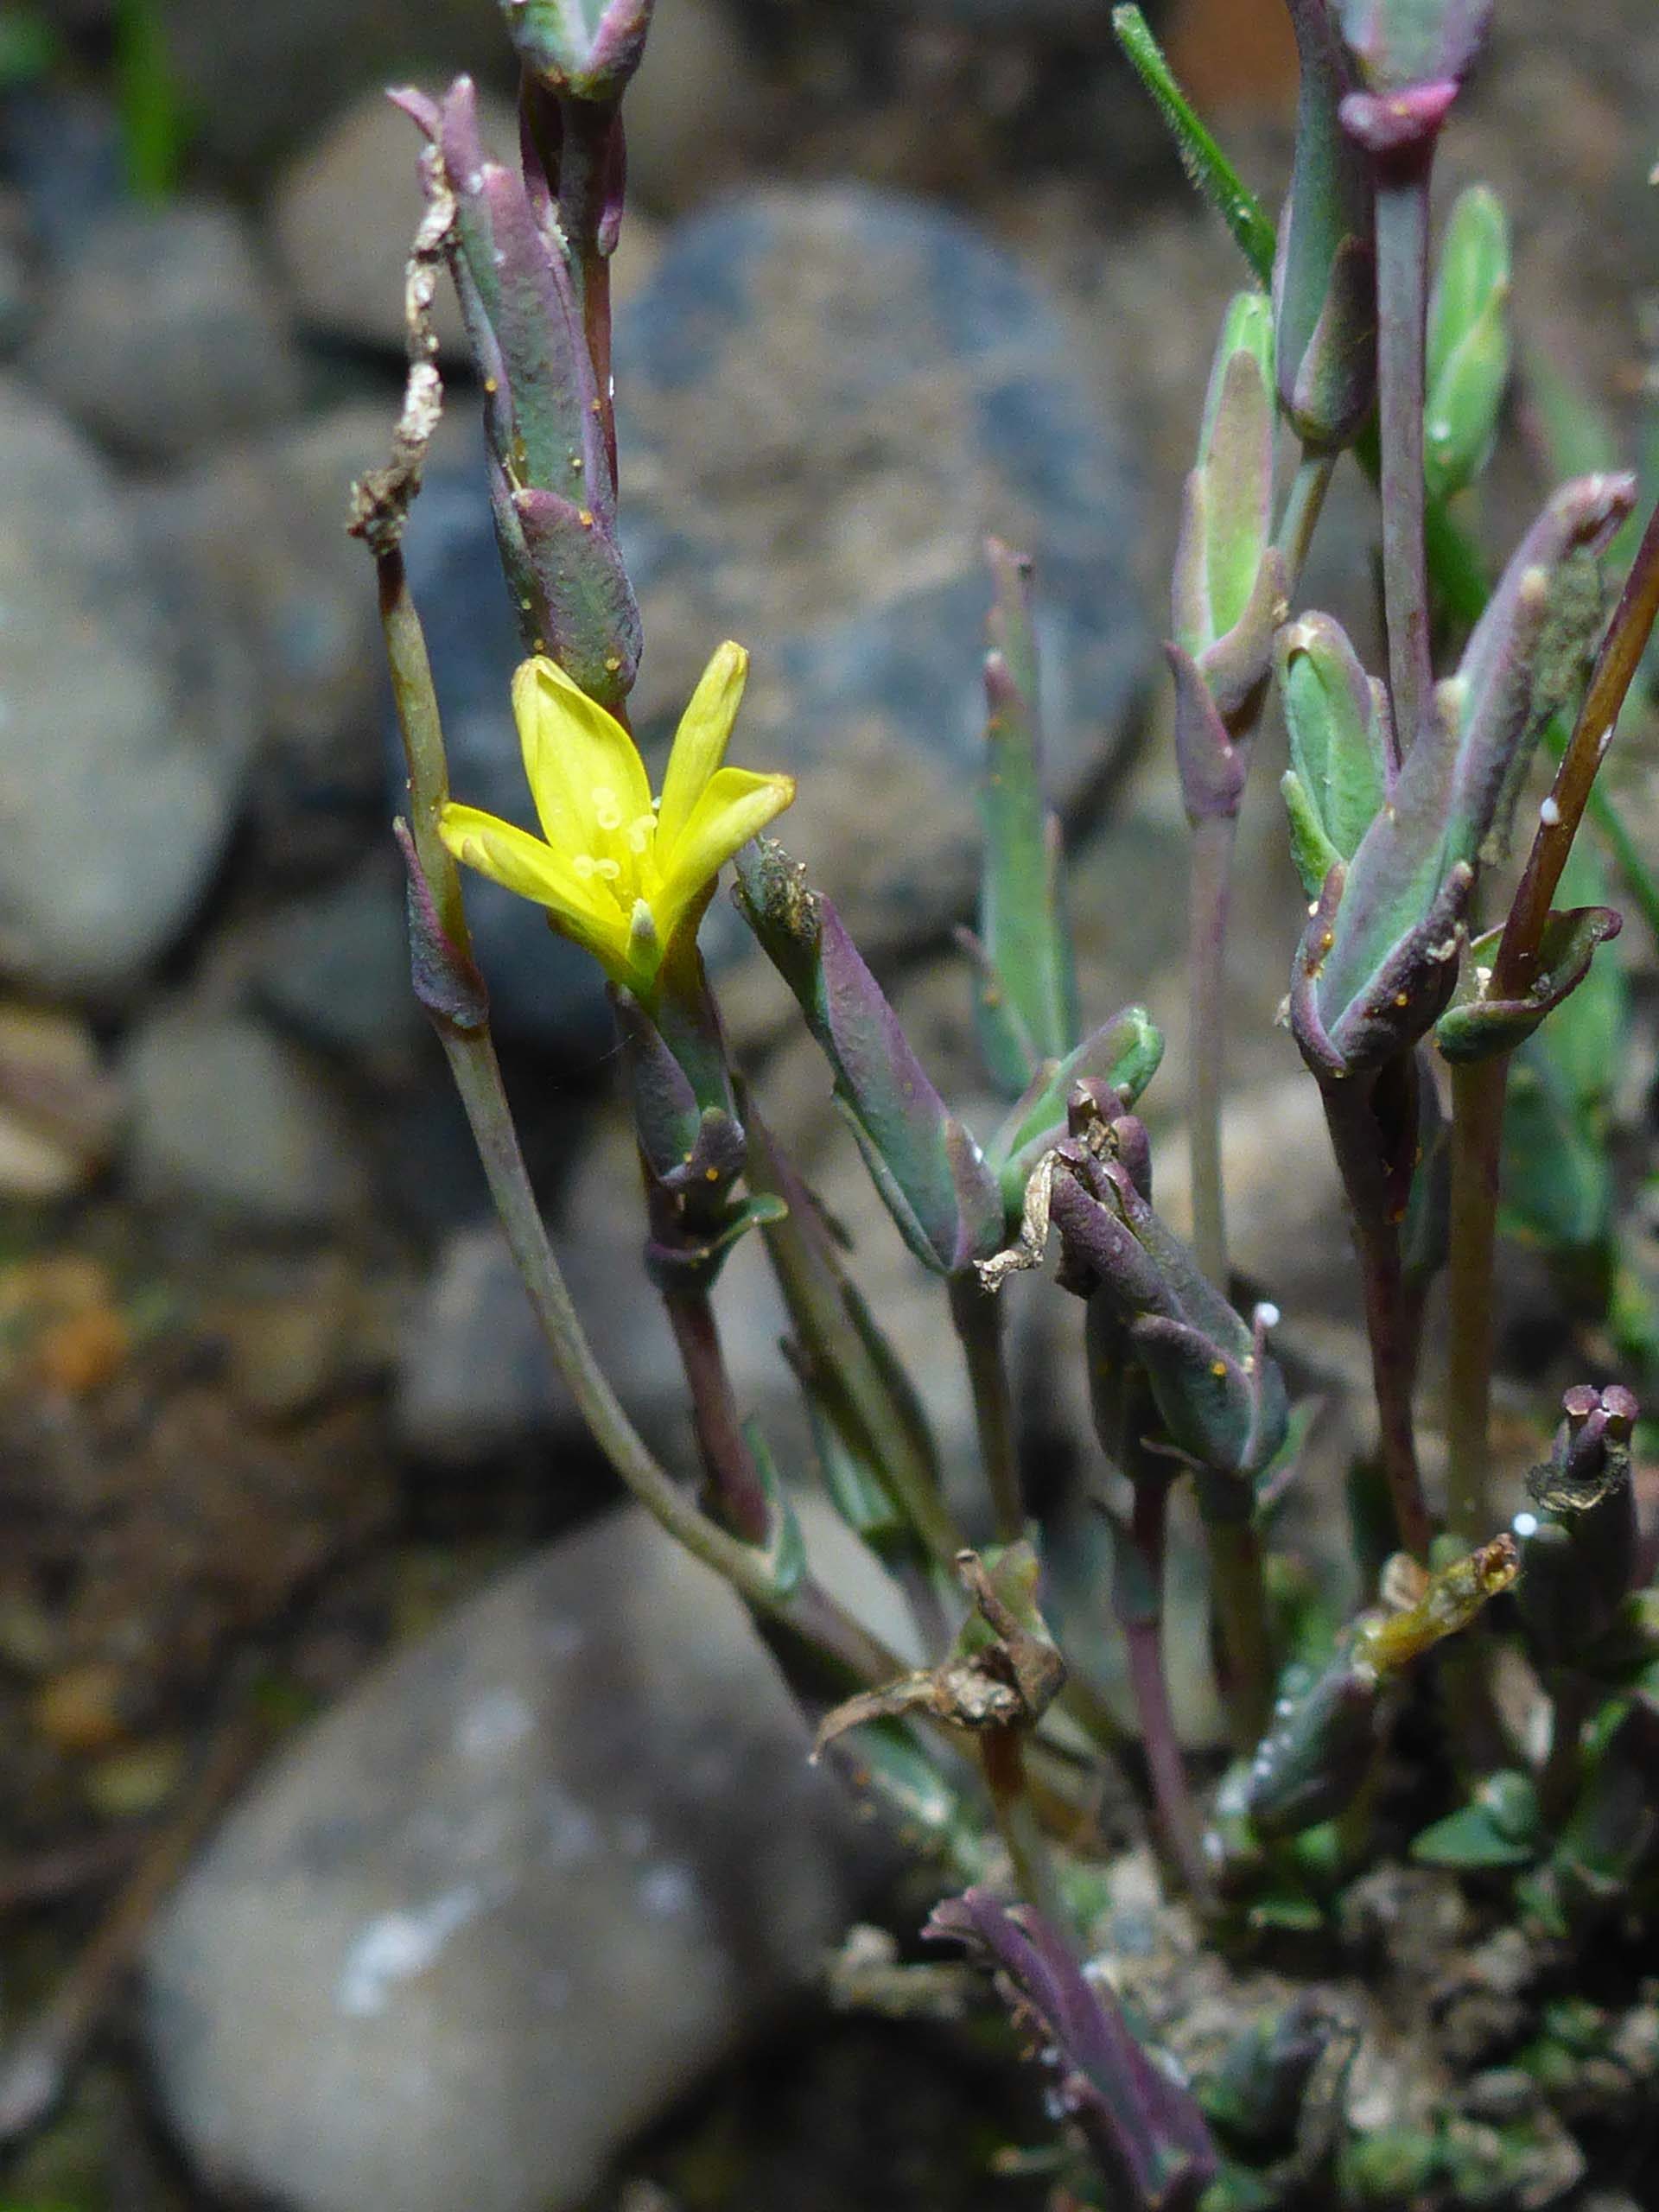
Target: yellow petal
(735, 805)
(700, 742)
(512, 858)
(573, 748)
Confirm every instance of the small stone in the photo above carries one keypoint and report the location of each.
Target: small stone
(59, 1106)
(160, 335)
(231, 1119)
(517, 1893)
(126, 718)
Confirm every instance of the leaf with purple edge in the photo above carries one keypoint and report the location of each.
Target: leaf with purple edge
(1475, 1025)
(1142, 2122)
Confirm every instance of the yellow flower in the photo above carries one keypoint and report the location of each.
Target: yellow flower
(618, 870)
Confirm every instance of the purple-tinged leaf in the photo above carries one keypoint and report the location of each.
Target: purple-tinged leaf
(1140, 2121)
(1476, 1025)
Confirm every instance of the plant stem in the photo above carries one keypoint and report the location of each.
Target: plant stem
(978, 1318)
(1239, 1595)
(1402, 307)
(1572, 1699)
(1002, 1757)
(1356, 1139)
(735, 1492)
(1209, 895)
(1304, 504)
(1138, 1598)
(1478, 1090)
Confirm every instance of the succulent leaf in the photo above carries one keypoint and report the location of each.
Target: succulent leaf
(1468, 342)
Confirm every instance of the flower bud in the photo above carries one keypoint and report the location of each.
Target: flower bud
(589, 48)
(1401, 42)
(1378, 961)
(1218, 1394)
(1579, 1538)
(551, 490)
(932, 1176)
(1324, 274)
(1468, 357)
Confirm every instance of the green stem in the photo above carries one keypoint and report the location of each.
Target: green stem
(735, 1492)
(1209, 895)
(1002, 1757)
(1479, 1091)
(978, 1318)
(1209, 885)
(1403, 304)
(1357, 1141)
(1478, 1098)
(1138, 1599)
(1573, 1700)
(1304, 504)
(1239, 1594)
(1205, 164)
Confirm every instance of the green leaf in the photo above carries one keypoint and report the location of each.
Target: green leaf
(1027, 998)
(1468, 342)
(1206, 166)
(1500, 1826)
(786, 1545)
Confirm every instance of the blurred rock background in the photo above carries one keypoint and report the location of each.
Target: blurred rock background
(896, 272)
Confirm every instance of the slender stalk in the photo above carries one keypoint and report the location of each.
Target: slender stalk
(1478, 1098)
(1356, 1139)
(1572, 1699)
(1403, 309)
(1239, 1594)
(1304, 504)
(1209, 895)
(1002, 1757)
(978, 1318)
(1138, 1598)
(736, 1495)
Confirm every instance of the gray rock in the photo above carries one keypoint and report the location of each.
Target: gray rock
(230, 1119)
(126, 720)
(693, 108)
(259, 81)
(344, 216)
(300, 595)
(335, 964)
(818, 471)
(486, 1919)
(160, 334)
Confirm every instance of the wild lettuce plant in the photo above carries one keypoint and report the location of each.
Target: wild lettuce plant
(1486, 1721)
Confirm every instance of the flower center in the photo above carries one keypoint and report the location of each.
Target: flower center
(622, 848)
